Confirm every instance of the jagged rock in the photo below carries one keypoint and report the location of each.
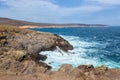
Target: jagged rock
(100, 70)
(20, 49)
(34, 42)
(31, 67)
(37, 57)
(20, 58)
(68, 72)
(19, 55)
(62, 43)
(66, 68)
(86, 68)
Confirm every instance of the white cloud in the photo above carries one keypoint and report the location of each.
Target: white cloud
(28, 4)
(44, 5)
(47, 10)
(107, 2)
(49, 5)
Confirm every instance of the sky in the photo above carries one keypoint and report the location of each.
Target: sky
(63, 11)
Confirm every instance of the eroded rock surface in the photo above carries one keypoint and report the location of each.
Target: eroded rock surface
(20, 48)
(20, 58)
(86, 72)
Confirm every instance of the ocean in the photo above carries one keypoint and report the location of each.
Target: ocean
(92, 45)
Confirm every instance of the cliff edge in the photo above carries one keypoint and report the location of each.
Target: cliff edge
(20, 45)
(20, 58)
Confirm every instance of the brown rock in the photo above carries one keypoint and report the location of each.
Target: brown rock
(18, 45)
(19, 55)
(100, 70)
(66, 68)
(20, 58)
(86, 68)
(63, 44)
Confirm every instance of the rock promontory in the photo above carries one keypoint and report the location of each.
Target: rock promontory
(20, 45)
(20, 58)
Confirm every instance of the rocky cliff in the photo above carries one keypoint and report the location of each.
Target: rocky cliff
(18, 45)
(20, 58)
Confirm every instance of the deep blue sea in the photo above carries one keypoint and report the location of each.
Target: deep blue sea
(95, 46)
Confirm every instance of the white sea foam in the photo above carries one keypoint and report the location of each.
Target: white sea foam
(77, 56)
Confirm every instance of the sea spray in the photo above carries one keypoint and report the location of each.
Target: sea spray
(75, 57)
(95, 46)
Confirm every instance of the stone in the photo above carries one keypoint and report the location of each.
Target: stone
(100, 70)
(20, 58)
(86, 68)
(66, 68)
(19, 55)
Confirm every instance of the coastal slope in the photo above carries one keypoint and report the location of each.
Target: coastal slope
(27, 24)
(19, 45)
(20, 58)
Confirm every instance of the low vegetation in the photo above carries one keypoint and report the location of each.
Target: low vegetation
(8, 28)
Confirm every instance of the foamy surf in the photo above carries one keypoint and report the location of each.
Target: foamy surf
(84, 52)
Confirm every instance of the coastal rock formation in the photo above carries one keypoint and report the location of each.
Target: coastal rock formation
(86, 72)
(20, 58)
(20, 48)
(68, 72)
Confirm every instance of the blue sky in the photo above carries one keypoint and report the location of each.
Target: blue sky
(63, 11)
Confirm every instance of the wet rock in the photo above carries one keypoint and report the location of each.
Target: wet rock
(37, 57)
(62, 43)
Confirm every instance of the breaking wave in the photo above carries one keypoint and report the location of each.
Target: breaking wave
(84, 52)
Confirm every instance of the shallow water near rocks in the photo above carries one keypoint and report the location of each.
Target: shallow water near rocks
(95, 46)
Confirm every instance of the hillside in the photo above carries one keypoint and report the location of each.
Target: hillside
(26, 24)
(14, 22)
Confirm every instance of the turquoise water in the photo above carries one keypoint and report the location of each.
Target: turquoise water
(95, 46)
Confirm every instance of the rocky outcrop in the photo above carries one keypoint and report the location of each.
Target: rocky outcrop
(86, 72)
(68, 72)
(20, 58)
(20, 48)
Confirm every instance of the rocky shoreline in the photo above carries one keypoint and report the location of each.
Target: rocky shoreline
(20, 58)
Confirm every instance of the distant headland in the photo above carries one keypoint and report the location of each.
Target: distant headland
(27, 24)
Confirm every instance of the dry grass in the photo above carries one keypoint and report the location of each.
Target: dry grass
(8, 28)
